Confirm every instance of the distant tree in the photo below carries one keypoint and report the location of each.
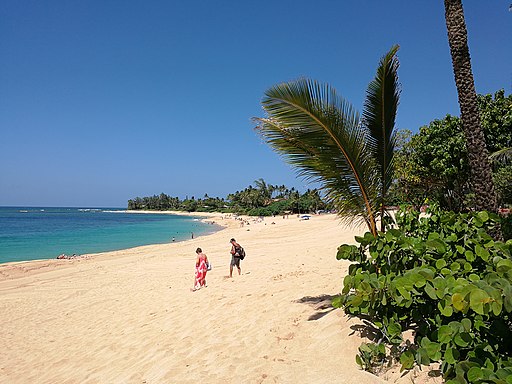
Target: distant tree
(189, 205)
(408, 185)
(264, 191)
(440, 160)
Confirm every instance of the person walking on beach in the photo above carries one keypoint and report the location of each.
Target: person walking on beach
(235, 257)
(201, 270)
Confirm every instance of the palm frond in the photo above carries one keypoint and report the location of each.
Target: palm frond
(320, 134)
(379, 113)
(504, 156)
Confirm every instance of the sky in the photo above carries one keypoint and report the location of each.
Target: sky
(104, 101)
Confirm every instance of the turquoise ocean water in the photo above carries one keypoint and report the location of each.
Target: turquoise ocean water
(30, 233)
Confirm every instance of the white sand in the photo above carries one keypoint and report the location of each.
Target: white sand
(130, 317)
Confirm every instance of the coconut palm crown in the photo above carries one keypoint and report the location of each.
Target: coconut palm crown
(328, 142)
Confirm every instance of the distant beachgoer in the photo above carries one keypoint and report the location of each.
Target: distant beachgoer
(64, 256)
(192, 233)
(235, 258)
(173, 239)
(201, 270)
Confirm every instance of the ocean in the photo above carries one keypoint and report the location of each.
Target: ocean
(30, 233)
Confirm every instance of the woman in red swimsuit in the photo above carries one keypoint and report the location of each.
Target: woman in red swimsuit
(201, 269)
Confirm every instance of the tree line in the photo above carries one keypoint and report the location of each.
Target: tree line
(262, 199)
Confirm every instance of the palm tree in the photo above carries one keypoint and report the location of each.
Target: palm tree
(318, 132)
(481, 173)
(264, 190)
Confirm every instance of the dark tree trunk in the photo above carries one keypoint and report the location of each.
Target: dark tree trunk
(481, 174)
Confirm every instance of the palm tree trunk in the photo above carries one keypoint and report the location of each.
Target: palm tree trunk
(481, 174)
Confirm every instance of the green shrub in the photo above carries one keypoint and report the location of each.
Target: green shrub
(445, 278)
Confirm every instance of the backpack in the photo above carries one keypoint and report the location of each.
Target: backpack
(240, 252)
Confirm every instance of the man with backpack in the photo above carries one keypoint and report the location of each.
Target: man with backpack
(237, 254)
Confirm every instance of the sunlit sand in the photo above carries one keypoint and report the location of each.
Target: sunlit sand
(129, 316)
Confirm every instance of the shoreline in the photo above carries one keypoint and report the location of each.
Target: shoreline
(9, 269)
(129, 316)
(207, 220)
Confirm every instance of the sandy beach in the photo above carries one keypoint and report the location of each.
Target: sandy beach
(129, 316)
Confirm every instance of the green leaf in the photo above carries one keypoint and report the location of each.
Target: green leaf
(436, 244)
(483, 216)
(346, 252)
(440, 286)
(359, 361)
(462, 339)
(477, 299)
(470, 256)
(433, 350)
(451, 238)
(444, 334)
(466, 324)
(422, 356)
(496, 307)
(455, 266)
(407, 360)
(431, 292)
(458, 302)
(364, 347)
(482, 252)
(489, 244)
(337, 302)
(451, 355)
(504, 266)
(441, 263)
(359, 239)
(474, 374)
(474, 277)
(355, 300)
(404, 292)
(394, 329)
(445, 308)
(507, 299)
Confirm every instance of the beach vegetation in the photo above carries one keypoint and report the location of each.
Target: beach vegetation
(443, 277)
(349, 155)
(433, 163)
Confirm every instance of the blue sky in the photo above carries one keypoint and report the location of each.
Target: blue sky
(102, 101)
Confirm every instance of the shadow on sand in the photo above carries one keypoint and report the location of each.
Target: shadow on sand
(322, 305)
